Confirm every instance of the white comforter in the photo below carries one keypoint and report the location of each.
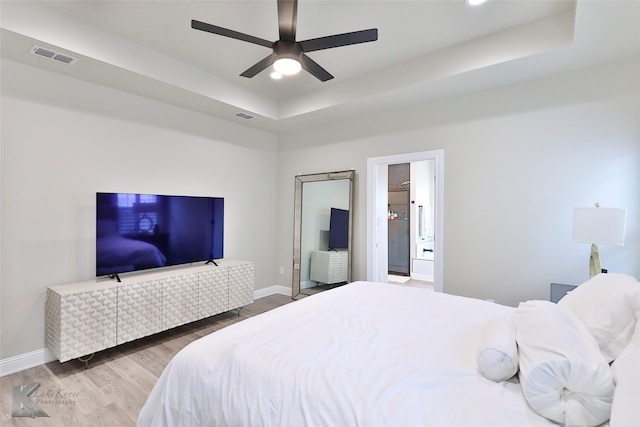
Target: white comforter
(365, 354)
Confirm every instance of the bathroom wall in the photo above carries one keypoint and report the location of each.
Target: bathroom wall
(399, 219)
(422, 212)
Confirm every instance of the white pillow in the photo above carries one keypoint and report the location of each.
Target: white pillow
(498, 353)
(625, 411)
(563, 375)
(609, 306)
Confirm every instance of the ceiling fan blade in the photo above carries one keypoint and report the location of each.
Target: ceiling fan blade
(266, 62)
(338, 40)
(287, 19)
(314, 69)
(209, 28)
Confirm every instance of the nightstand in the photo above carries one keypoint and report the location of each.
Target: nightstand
(558, 290)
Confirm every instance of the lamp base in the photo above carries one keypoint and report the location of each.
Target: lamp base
(594, 261)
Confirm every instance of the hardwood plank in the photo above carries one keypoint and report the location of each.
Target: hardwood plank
(112, 391)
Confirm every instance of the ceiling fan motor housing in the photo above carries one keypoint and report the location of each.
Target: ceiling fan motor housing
(287, 49)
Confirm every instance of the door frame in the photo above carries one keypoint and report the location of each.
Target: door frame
(377, 200)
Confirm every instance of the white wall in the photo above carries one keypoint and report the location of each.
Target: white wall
(517, 160)
(63, 140)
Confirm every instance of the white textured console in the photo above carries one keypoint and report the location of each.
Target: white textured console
(83, 318)
(329, 266)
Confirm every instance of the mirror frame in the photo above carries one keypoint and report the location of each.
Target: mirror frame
(297, 220)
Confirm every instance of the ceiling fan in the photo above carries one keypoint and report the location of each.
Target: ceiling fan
(289, 55)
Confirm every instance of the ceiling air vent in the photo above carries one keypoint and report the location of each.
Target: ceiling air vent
(52, 54)
(244, 115)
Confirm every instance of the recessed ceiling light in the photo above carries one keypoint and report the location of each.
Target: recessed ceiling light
(276, 75)
(475, 2)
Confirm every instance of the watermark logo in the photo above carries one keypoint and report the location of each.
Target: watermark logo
(28, 399)
(23, 405)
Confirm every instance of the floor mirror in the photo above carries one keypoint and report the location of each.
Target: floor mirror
(323, 224)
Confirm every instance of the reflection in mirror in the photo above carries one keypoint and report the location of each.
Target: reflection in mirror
(323, 218)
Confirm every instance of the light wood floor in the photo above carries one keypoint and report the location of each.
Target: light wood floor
(407, 281)
(115, 387)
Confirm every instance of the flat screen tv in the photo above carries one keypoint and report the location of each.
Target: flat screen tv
(142, 231)
(339, 229)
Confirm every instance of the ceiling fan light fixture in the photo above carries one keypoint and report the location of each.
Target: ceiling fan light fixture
(289, 55)
(287, 66)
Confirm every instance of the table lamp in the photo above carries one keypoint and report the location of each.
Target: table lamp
(598, 226)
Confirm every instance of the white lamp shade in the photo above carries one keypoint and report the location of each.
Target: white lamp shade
(604, 226)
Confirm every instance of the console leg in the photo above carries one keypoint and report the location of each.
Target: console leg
(86, 360)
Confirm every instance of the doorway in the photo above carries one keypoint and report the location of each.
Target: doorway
(377, 214)
(399, 221)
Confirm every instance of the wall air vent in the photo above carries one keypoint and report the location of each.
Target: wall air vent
(52, 54)
(244, 115)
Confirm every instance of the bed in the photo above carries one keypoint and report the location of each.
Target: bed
(373, 354)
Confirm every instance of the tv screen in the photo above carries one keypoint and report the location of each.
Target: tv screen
(339, 229)
(143, 231)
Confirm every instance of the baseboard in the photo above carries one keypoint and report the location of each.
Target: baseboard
(34, 358)
(24, 361)
(271, 290)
